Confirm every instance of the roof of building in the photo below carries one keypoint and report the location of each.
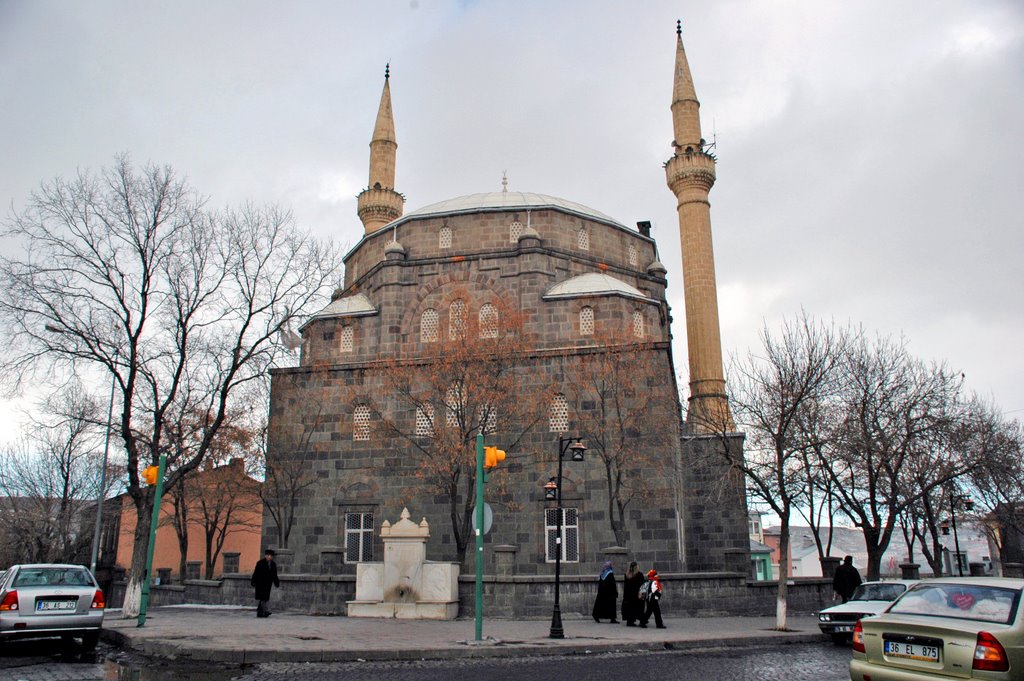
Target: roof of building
(474, 203)
(356, 305)
(593, 284)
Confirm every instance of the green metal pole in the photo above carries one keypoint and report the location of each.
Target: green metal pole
(157, 494)
(479, 536)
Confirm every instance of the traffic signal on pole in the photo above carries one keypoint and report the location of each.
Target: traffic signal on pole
(149, 474)
(492, 457)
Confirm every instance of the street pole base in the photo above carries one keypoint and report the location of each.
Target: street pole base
(556, 624)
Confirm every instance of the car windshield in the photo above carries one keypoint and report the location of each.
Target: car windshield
(878, 592)
(52, 576)
(960, 601)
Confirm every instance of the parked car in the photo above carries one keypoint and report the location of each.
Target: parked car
(51, 600)
(870, 598)
(945, 628)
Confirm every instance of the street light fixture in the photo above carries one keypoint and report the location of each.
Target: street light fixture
(553, 492)
(957, 500)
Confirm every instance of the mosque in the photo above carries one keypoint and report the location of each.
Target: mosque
(539, 322)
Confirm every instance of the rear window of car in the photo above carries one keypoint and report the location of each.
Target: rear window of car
(52, 577)
(878, 592)
(959, 601)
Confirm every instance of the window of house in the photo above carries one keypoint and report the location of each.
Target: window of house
(488, 321)
(634, 256)
(444, 237)
(586, 321)
(347, 338)
(457, 319)
(583, 239)
(428, 326)
(425, 420)
(570, 544)
(638, 323)
(358, 537)
(361, 423)
(515, 230)
(559, 414)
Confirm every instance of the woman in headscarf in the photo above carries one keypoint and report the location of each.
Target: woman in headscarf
(632, 606)
(653, 596)
(607, 595)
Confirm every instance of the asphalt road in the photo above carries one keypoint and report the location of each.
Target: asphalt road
(817, 662)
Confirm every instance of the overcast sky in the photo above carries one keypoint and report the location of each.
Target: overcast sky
(869, 152)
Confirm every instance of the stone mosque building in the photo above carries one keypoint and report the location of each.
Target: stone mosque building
(583, 285)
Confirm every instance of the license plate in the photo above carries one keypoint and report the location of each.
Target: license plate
(844, 630)
(912, 651)
(47, 606)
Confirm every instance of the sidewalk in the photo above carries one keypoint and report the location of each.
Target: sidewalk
(236, 635)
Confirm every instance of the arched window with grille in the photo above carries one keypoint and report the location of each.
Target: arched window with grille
(515, 230)
(425, 420)
(347, 339)
(634, 256)
(361, 423)
(457, 319)
(488, 321)
(559, 414)
(428, 326)
(444, 237)
(638, 323)
(456, 402)
(586, 321)
(583, 239)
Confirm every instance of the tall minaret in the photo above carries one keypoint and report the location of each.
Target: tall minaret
(379, 203)
(690, 174)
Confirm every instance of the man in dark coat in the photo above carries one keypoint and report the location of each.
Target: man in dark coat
(846, 579)
(263, 578)
(607, 599)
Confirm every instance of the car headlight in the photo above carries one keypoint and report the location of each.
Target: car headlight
(824, 617)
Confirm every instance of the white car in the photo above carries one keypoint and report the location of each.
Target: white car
(51, 600)
(870, 598)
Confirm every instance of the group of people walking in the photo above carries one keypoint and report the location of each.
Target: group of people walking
(640, 596)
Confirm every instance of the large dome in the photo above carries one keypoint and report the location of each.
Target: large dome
(488, 201)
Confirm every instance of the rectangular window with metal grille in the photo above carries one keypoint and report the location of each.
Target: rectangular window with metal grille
(570, 534)
(358, 537)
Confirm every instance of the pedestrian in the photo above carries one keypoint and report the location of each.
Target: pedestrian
(654, 592)
(846, 579)
(632, 605)
(263, 578)
(607, 595)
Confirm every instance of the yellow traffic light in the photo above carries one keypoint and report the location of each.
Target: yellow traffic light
(493, 456)
(149, 474)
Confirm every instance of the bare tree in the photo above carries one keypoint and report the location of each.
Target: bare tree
(997, 483)
(180, 305)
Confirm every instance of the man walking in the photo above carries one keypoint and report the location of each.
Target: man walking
(846, 579)
(263, 578)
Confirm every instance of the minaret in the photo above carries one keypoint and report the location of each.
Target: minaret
(691, 174)
(379, 203)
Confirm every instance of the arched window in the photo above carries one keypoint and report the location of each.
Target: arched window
(559, 414)
(638, 323)
(488, 418)
(586, 321)
(634, 256)
(347, 338)
(425, 420)
(488, 321)
(456, 402)
(428, 326)
(515, 230)
(361, 423)
(583, 239)
(457, 319)
(444, 237)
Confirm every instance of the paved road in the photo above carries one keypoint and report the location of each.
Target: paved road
(818, 662)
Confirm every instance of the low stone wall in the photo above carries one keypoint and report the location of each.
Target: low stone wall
(697, 594)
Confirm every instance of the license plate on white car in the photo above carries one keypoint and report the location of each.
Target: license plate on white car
(47, 606)
(912, 651)
(844, 629)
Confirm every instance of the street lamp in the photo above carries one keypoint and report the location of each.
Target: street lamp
(956, 500)
(553, 492)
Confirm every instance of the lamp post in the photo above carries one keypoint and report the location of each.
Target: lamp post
(553, 492)
(956, 500)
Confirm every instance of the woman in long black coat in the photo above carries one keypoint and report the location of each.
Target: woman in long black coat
(263, 577)
(607, 595)
(632, 606)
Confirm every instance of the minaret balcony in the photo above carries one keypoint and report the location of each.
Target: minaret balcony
(690, 170)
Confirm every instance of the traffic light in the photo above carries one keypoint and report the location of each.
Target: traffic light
(492, 457)
(149, 474)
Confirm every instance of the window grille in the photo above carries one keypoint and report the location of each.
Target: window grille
(487, 416)
(638, 323)
(347, 339)
(570, 535)
(361, 423)
(425, 420)
(634, 256)
(559, 414)
(587, 321)
(444, 238)
(488, 321)
(428, 326)
(457, 319)
(358, 537)
(583, 239)
(515, 230)
(455, 402)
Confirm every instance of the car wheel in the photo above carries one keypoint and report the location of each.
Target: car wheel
(89, 640)
(840, 639)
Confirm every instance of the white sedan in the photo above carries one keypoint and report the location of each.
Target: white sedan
(870, 598)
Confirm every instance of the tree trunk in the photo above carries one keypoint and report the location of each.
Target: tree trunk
(783, 592)
(140, 548)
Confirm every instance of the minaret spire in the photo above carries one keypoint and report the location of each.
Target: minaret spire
(691, 174)
(379, 203)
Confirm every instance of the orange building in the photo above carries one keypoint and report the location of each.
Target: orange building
(210, 496)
